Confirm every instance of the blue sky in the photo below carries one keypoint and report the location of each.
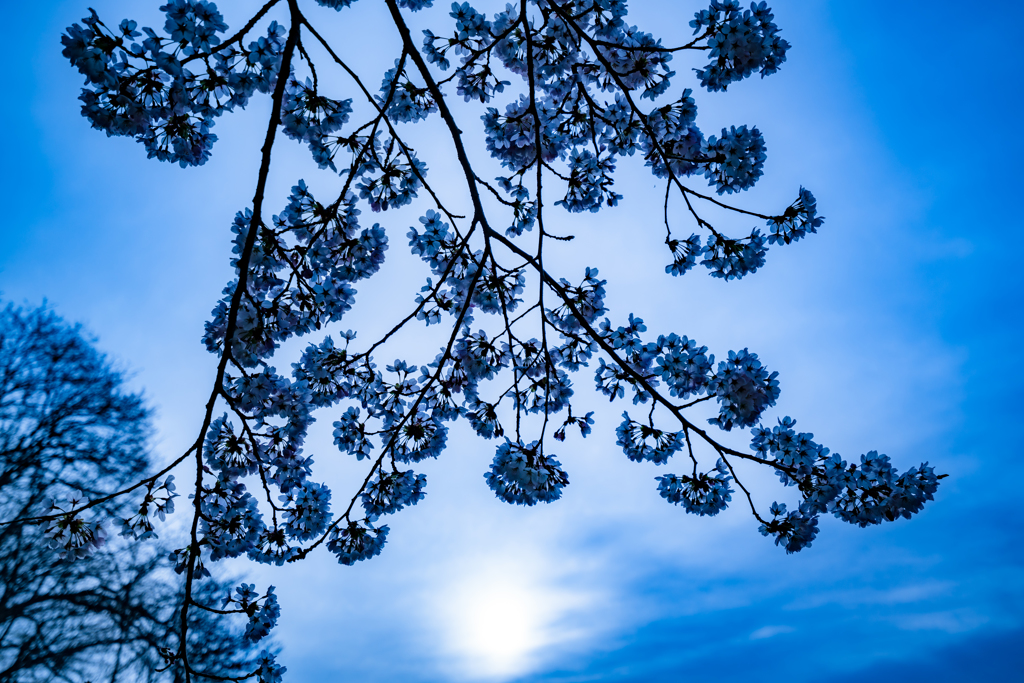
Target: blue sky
(893, 329)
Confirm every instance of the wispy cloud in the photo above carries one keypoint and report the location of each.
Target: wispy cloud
(770, 631)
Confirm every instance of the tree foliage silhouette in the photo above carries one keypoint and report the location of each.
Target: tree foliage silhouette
(568, 80)
(67, 426)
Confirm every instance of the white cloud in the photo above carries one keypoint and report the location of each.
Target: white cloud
(951, 621)
(770, 631)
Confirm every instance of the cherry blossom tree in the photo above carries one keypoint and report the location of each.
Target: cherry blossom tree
(563, 92)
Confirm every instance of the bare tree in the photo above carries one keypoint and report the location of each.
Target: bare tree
(67, 424)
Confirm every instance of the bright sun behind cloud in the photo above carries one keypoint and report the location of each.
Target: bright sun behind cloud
(498, 616)
(499, 627)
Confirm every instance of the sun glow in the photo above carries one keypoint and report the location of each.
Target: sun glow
(500, 627)
(499, 617)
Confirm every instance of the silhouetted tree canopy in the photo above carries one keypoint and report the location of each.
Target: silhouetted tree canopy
(68, 426)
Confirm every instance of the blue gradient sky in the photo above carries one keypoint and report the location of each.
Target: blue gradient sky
(893, 329)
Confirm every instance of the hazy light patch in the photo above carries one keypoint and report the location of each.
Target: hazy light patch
(951, 621)
(900, 595)
(498, 616)
(769, 631)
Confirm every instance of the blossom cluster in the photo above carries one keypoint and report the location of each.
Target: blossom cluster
(799, 218)
(70, 534)
(793, 530)
(863, 494)
(735, 161)
(262, 618)
(307, 116)
(158, 501)
(413, 5)
(523, 475)
(406, 102)
(796, 453)
(167, 90)
(743, 388)
(871, 492)
(700, 494)
(683, 366)
(389, 493)
(267, 669)
(586, 303)
(734, 258)
(322, 248)
(567, 113)
(741, 42)
(461, 277)
(149, 91)
(669, 138)
(357, 541)
(645, 442)
(740, 384)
